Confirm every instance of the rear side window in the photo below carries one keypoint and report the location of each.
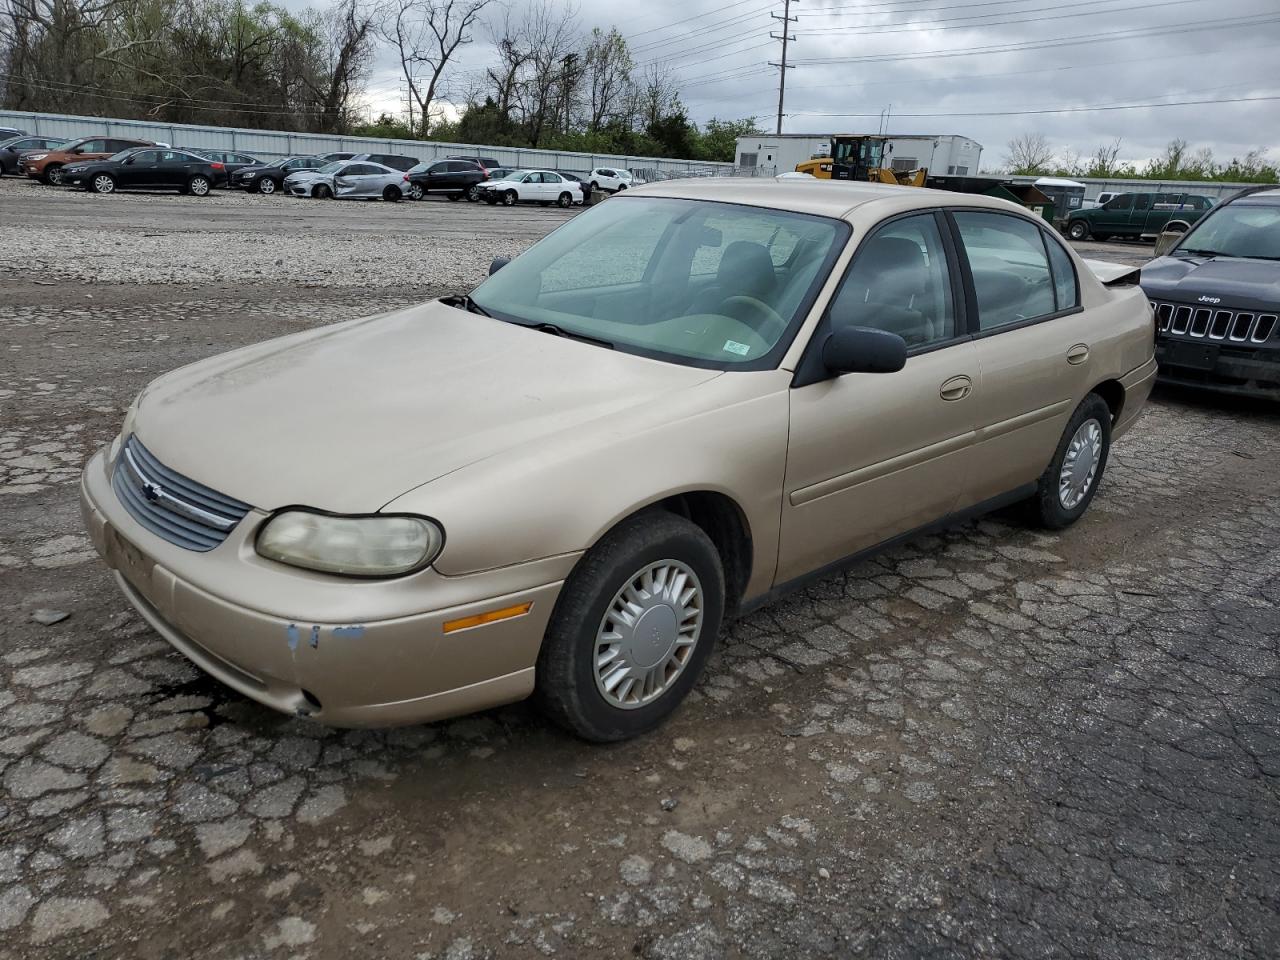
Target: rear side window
(1142, 201)
(1122, 202)
(1065, 290)
(1010, 267)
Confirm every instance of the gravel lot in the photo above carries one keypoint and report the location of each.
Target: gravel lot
(990, 742)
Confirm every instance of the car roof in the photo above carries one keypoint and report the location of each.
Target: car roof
(828, 198)
(1261, 194)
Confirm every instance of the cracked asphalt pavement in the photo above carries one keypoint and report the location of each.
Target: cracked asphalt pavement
(990, 742)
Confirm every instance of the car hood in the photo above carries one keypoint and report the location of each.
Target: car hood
(349, 417)
(1240, 283)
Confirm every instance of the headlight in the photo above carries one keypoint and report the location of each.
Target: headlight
(36, 156)
(372, 546)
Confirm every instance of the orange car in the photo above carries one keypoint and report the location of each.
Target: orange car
(47, 167)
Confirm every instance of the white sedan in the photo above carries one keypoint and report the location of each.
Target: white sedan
(347, 180)
(531, 186)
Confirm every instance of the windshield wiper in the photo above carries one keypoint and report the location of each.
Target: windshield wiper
(552, 329)
(471, 306)
(1200, 253)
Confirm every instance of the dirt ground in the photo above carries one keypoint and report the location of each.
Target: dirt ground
(991, 742)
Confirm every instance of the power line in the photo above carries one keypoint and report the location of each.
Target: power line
(964, 23)
(1056, 110)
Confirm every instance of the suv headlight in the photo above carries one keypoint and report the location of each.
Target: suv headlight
(370, 546)
(36, 156)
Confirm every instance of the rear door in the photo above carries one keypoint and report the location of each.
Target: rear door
(871, 456)
(1033, 357)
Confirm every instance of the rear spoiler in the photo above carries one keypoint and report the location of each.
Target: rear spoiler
(1114, 274)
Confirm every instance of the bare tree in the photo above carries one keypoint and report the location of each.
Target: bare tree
(609, 67)
(349, 37)
(513, 54)
(550, 38)
(427, 34)
(655, 94)
(1105, 160)
(1028, 154)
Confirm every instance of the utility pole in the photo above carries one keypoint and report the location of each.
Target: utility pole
(787, 19)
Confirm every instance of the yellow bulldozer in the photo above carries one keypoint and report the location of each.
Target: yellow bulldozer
(860, 158)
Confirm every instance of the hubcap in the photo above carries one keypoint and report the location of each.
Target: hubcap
(268, 186)
(1080, 465)
(55, 175)
(648, 634)
(199, 187)
(104, 185)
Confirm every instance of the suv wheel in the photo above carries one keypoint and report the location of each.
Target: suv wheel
(266, 185)
(1067, 486)
(1077, 230)
(632, 628)
(416, 192)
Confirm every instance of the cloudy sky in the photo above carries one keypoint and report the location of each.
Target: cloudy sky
(945, 66)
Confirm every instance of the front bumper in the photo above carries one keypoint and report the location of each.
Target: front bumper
(1242, 371)
(349, 653)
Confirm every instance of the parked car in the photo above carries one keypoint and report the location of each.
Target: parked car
(47, 166)
(11, 148)
(1215, 287)
(232, 163)
(789, 376)
(488, 164)
(610, 179)
(346, 180)
(1135, 215)
(453, 178)
(269, 177)
(530, 186)
(583, 181)
(8, 133)
(147, 168)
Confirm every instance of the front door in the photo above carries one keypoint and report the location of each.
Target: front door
(140, 169)
(874, 455)
(1113, 216)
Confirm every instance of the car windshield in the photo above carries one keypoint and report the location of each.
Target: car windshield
(516, 174)
(282, 161)
(706, 284)
(1236, 230)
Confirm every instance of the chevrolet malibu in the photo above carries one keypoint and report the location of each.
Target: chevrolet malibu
(667, 412)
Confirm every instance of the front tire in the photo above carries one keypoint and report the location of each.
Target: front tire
(1078, 230)
(1068, 484)
(565, 200)
(322, 192)
(509, 198)
(473, 193)
(266, 186)
(416, 192)
(103, 183)
(52, 175)
(606, 672)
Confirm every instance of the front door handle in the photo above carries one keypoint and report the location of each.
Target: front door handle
(957, 388)
(1078, 353)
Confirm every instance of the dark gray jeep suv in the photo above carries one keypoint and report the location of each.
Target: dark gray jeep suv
(1216, 293)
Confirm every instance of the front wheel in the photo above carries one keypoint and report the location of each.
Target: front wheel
(416, 192)
(103, 183)
(1077, 230)
(632, 628)
(391, 193)
(266, 186)
(509, 198)
(1068, 484)
(53, 175)
(473, 193)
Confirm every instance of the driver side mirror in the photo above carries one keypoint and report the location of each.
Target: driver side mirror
(497, 264)
(864, 350)
(1173, 232)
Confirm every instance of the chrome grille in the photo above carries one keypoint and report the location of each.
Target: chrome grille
(1205, 323)
(170, 505)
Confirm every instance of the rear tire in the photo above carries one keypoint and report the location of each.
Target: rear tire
(454, 197)
(1068, 484)
(1102, 237)
(574, 688)
(565, 199)
(391, 193)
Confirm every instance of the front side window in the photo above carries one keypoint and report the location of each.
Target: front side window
(1011, 276)
(144, 156)
(685, 280)
(899, 282)
(1142, 201)
(1122, 202)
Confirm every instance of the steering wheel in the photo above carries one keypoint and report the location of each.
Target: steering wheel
(769, 324)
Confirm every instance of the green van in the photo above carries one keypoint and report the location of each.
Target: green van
(1136, 215)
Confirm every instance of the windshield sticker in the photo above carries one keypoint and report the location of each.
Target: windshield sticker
(733, 346)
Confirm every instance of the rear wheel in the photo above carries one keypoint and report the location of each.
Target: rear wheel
(1068, 484)
(391, 193)
(52, 175)
(199, 186)
(103, 183)
(565, 199)
(621, 187)
(1077, 230)
(1102, 237)
(267, 186)
(509, 198)
(632, 628)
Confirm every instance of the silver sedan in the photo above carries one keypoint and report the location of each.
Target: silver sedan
(347, 180)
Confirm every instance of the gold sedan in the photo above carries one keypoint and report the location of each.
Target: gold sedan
(676, 406)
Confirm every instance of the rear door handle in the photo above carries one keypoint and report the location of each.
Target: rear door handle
(1078, 353)
(957, 388)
